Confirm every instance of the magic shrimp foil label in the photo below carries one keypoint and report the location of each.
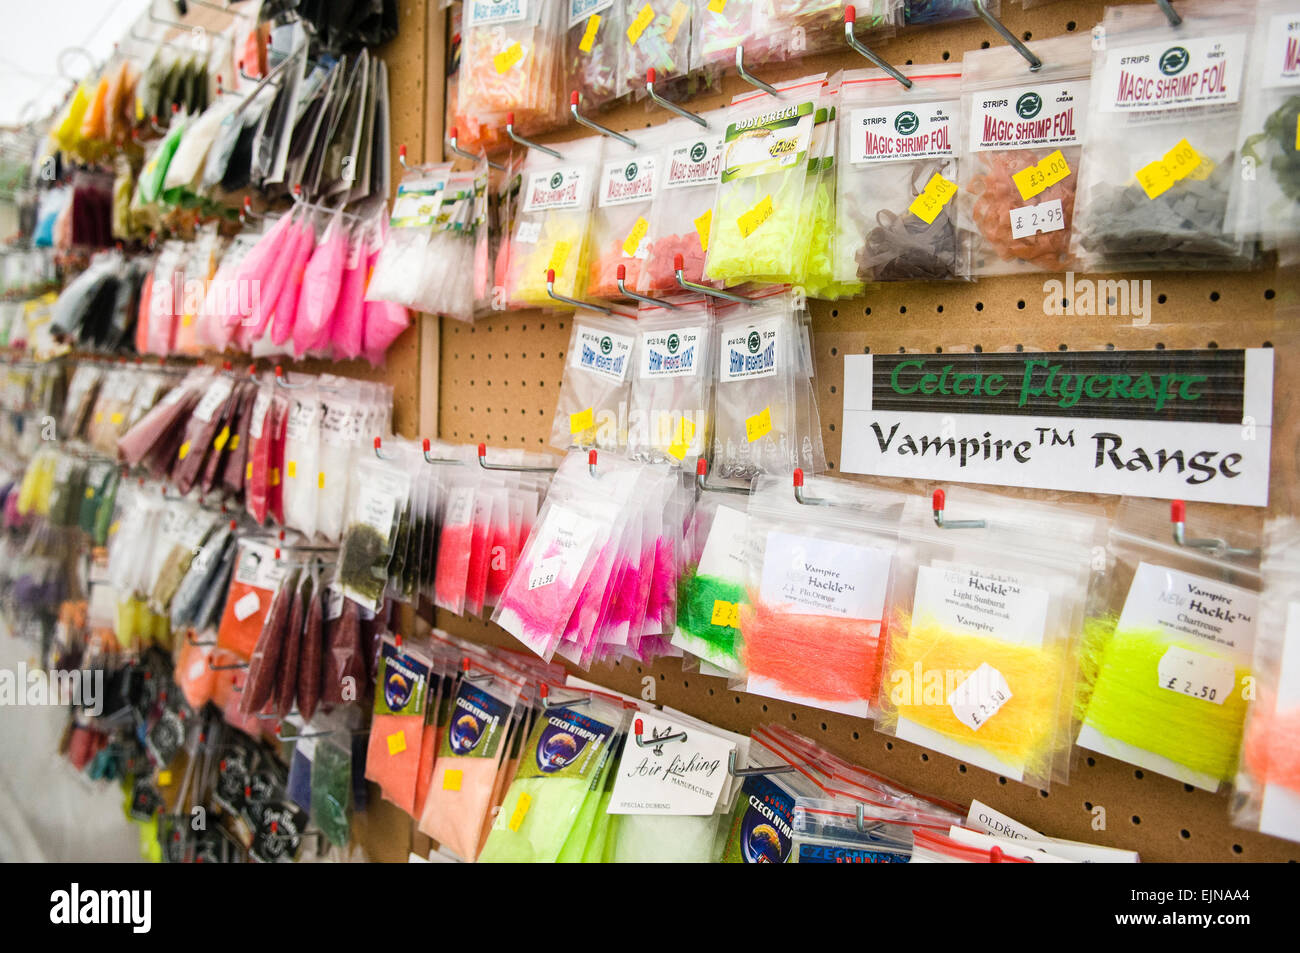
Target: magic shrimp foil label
(694, 161)
(1028, 117)
(1173, 74)
(903, 131)
(489, 12)
(1282, 54)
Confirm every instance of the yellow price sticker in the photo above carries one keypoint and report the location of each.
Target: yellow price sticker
(559, 255)
(396, 743)
(451, 780)
(164, 779)
(248, 471)
(234, 443)
(683, 434)
(1297, 133)
(520, 811)
(1181, 160)
(702, 226)
(937, 193)
(759, 425)
(642, 20)
(725, 614)
(221, 439)
(90, 492)
(320, 480)
(582, 421)
(675, 20)
(275, 476)
(1155, 179)
(756, 216)
(99, 417)
(291, 469)
(589, 35)
(184, 451)
(633, 241)
(1045, 173)
(508, 57)
(717, 6)
(116, 418)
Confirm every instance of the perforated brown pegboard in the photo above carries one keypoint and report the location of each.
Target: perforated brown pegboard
(499, 379)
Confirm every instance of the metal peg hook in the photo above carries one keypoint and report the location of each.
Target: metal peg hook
(749, 77)
(702, 471)
(574, 98)
(429, 459)
(937, 503)
(1034, 62)
(282, 381)
(548, 703)
(452, 139)
(736, 772)
(198, 643)
(1170, 13)
(1218, 547)
(556, 296)
(246, 212)
(622, 289)
(655, 740)
(799, 496)
(482, 462)
(850, 18)
(526, 143)
(401, 156)
(379, 452)
(591, 464)
(245, 75)
(482, 677)
(679, 269)
(670, 106)
(226, 668)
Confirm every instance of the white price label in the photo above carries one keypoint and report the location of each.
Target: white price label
(1196, 675)
(1030, 219)
(546, 572)
(529, 232)
(980, 697)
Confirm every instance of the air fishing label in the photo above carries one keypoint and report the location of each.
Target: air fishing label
(828, 854)
(579, 10)
(767, 142)
(815, 576)
(1028, 117)
(601, 352)
(403, 679)
(749, 351)
(1173, 74)
(565, 188)
(683, 775)
(1204, 613)
(903, 131)
(671, 353)
(762, 824)
(992, 603)
(1282, 51)
(627, 180)
(565, 742)
(477, 723)
(694, 161)
(492, 12)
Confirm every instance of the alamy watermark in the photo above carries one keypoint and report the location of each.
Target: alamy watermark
(76, 688)
(1088, 297)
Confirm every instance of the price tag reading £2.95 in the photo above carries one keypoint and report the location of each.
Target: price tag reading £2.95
(1030, 219)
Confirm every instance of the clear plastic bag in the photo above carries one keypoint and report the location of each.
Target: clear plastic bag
(592, 408)
(894, 218)
(594, 44)
(1021, 140)
(1161, 152)
(671, 383)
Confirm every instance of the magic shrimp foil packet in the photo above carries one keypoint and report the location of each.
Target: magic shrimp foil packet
(1161, 151)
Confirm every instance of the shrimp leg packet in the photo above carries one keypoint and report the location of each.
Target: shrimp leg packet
(1021, 137)
(1161, 154)
(592, 408)
(668, 408)
(897, 159)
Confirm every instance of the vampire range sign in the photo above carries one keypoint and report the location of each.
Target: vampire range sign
(1191, 425)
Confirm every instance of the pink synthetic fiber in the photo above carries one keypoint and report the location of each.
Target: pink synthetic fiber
(663, 589)
(286, 306)
(1272, 746)
(453, 564)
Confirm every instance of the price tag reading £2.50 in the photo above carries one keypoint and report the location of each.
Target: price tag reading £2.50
(1196, 675)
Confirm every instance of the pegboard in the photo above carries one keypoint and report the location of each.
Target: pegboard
(499, 379)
